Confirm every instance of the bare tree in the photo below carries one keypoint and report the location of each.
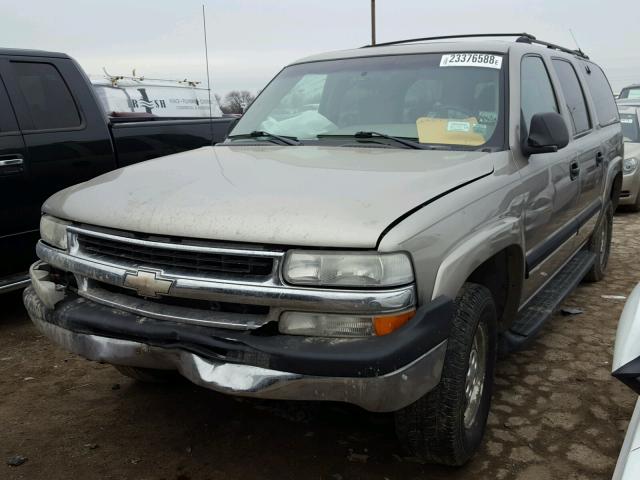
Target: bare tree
(219, 101)
(236, 101)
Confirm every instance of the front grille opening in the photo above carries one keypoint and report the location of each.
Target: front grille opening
(60, 277)
(269, 329)
(625, 193)
(186, 261)
(207, 305)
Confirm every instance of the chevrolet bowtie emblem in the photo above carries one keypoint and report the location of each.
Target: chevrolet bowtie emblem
(148, 283)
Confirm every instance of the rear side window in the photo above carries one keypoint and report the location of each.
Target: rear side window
(536, 92)
(602, 95)
(574, 96)
(7, 119)
(46, 95)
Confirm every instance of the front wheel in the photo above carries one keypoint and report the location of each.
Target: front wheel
(446, 426)
(600, 244)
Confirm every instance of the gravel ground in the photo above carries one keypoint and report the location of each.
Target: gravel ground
(557, 413)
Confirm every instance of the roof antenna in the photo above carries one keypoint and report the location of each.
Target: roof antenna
(373, 22)
(206, 54)
(576, 42)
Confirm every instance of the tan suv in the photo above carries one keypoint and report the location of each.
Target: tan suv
(380, 222)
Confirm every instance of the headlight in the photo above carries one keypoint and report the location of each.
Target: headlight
(347, 269)
(54, 231)
(629, 165)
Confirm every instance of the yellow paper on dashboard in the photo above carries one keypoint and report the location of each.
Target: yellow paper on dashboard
(451, 132)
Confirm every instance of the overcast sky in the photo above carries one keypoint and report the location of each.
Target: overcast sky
(251, 40)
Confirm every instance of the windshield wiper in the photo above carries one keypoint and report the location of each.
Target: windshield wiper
(272, 136)
(371, 135)
(403, 141)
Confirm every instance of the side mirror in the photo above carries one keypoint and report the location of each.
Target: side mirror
(548, 132)
(626, 353)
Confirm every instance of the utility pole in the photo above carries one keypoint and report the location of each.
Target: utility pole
(373, 22)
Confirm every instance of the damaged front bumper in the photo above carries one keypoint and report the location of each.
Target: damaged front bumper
(379, 374)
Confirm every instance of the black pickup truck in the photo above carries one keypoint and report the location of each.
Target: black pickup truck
(54, 133)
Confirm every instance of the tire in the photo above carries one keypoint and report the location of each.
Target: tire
(441, 427)
(636, 205)
(600, 244)
(147, 375)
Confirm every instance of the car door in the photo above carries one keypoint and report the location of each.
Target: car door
(606, 142)
(588, 143)
(65, 133)
(65, 144)
(17, 232)
(551, 194)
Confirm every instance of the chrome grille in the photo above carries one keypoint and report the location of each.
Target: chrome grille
(237, 301)
(184, 260)
(205, 305)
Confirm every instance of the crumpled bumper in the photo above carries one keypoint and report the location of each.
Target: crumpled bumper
(115, 344)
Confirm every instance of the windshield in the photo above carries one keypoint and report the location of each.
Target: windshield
(630, 129)
(448, 99)
(630, 93)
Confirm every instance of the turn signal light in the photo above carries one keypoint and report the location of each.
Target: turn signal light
(390, 323)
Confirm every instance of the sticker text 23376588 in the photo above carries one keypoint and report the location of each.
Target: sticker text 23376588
(486, 60)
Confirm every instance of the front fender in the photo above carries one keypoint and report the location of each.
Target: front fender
(472, 252)
(614, 168)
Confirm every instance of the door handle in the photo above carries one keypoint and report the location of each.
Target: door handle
(599, 159)
(11, 164)
(574, 170)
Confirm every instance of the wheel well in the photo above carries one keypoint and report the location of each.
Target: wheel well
(616, 186)
(503, 275)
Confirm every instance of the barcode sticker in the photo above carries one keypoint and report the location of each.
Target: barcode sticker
(486, 60)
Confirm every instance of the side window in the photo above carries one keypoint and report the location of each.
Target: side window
(536, 92)
(46, 95)
(574, 95)
(602, 95)
(7, 119)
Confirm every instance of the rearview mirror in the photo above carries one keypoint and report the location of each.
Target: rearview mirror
(547, 133)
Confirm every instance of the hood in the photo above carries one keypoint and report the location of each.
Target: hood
(300, 195)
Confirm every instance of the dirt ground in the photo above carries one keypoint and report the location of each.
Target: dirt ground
(557, 413)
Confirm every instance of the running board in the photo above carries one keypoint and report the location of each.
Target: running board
(14, 282)
(530, 319)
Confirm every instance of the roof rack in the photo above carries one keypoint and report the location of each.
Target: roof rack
(522, 37)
